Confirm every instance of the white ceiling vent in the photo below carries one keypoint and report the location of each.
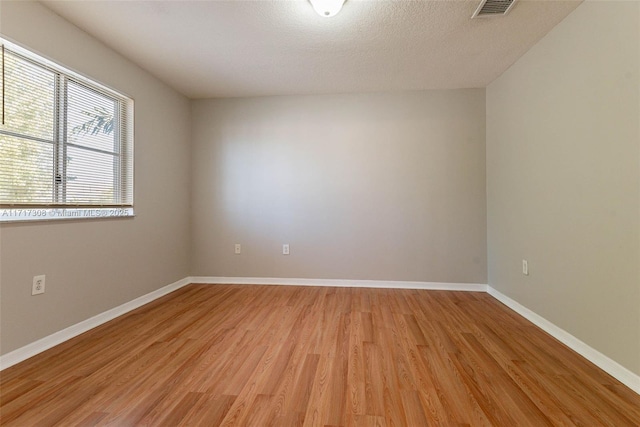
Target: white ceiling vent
(491, 8)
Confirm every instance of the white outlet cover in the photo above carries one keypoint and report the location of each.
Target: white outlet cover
(285, 249)
(37, 287)
(238, 249)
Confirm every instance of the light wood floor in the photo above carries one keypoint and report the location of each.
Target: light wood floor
(211, 355)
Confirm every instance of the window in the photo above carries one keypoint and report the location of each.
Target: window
(66, 143)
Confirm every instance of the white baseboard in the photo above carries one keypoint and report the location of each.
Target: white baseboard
(59, 337)
(440, 286)
(608, 365)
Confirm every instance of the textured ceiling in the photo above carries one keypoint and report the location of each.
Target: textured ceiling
(251, 48)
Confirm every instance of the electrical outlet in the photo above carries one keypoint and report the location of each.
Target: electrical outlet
(285, 249)
(38, 285)
(525, 267)
(238, 249)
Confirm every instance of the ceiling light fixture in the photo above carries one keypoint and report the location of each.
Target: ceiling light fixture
(327, 8)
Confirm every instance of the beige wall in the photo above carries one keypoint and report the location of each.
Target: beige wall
(367, 186)
(92, 266)
(563, 174)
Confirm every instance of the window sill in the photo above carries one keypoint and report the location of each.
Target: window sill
(8, 215)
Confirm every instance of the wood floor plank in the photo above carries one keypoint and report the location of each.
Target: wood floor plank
(319, 398)
(210, 411)
(244, 355)
(180, 411)
(258, 414)
(355, 398)
(390, 386)
(413, 408)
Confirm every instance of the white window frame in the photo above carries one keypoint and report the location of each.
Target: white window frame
(59, 208)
